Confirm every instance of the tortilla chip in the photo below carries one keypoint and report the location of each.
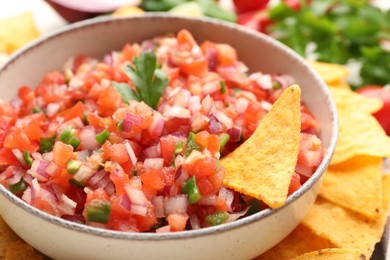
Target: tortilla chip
(341, 84)
(262, 167)
(20, 250)
(16, 31)
(347, 229)
(355, 184)
(330, 72)
(333, 254)
(359, 134)
(7, 235)
(347, 99)
(298, 242)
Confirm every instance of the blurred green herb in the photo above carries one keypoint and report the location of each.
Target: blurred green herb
(209, 8)
(341, 30)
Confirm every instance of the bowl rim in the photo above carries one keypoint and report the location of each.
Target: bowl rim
(141, 236)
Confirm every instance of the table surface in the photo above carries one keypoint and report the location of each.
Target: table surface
(48, 20)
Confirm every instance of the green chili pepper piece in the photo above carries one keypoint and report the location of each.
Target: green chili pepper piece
(120, 125)
(102, 136)
(27, 158)
(37, 110)
(191, 189)
(98, 211)
(223, 87)
(254, 207)
(46, 144)
(66, 134)
(73, 166)
(17, 187)
(179, 147)
(191, 145)
(223, 139)
(217, 218)
(73, 141)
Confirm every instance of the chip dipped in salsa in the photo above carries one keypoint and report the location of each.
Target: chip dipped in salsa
(133, 142)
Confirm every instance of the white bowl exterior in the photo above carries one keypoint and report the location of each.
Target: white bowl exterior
(243, 239)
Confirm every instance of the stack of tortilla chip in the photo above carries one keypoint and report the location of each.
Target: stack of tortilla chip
(350, 214)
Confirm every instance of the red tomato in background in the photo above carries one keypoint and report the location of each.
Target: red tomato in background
(243, 6)
(382, 93)
(257, 20)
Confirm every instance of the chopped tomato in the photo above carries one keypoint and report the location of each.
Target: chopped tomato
(295, 183)
(62, 153)
(226, 54)
(75, 111)
(177, 222)
(167, 145)
(7, 157)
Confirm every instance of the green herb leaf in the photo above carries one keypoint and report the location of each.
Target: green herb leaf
(126, 91)
(149, 81)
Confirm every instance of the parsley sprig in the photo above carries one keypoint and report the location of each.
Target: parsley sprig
(341, 30)
(149, 81)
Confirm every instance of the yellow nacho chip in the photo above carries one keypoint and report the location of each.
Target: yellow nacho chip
(333, 254)
(330, 72)
(347, 229)
(359, 134)
(298, 242)
(341, 84)
(263, 165)
(347, 99)
(355, 184)
(16, 31)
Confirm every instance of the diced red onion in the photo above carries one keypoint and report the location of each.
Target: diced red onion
(35, 188)
(177, 204)
(194, 104)
(266, 105)
(211, 87)
(67, 206)
(52, 168)
(214, 125)
(152, 151)
(231, 73)
(17, 175)
(125, 202)
(207, 103)
(236, 215)
(208, 200)
(224, 119)
(173, 191)
(194, 221)
(265, 81)
(181, 176)
(127, 125)
(19, 155)
(88, 138)
(38, 170)
(36, 156)
(304, 170)
(284, 80)
(154, 163)
(52, 109)
(83, 173)
(136, 196)
(135, 119)
(234, 133)
(211, 57)
(109, 188)
(241, 105)
(83, 155)
(164, 229)
(96, 178)
(157, 125)
(75, 83)
(177, 112)
(136, 209)
(56, 189)
(131, 153)
(179, 160)
(16, 102)
(158, 203)
(48, 157)
(27, 196)
(228, 196)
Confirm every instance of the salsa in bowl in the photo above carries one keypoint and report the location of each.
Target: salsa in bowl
(128, 136)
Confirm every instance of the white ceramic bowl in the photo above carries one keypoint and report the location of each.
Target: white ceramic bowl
(242, 239)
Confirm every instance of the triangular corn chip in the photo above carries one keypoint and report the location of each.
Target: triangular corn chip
(263, 165)
(334, 254)
(355, 184)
